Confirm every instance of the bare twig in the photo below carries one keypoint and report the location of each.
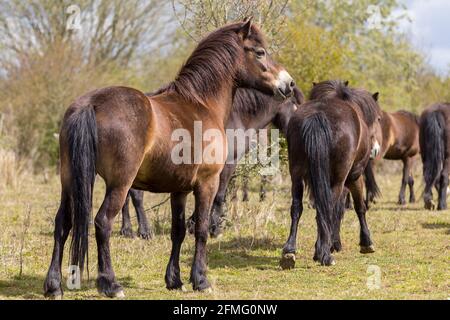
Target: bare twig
(25, 227)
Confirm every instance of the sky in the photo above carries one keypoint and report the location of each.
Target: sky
(430, 30)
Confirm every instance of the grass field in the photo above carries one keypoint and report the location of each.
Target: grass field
(412, 251)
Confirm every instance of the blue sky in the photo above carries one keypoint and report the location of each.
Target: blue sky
(430, 30)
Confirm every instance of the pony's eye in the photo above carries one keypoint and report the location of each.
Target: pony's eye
(260, 53)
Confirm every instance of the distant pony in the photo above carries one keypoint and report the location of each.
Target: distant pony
(400, 141)
(435, 151)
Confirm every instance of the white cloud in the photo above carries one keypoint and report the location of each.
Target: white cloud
(430, 29)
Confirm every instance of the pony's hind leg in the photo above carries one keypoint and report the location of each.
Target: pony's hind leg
(290, 248)
(405, 180)
(356, 188)
(341, 196)
(113, 202)
(144, 230)
(443, 185)
(63, 225)
(204, 195)
(178, 232)
(126, 230)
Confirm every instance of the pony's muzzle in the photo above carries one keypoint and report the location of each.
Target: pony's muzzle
(376, 149)
(284, 85)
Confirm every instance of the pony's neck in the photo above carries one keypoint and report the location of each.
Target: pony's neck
(208, 77)
(281, 120)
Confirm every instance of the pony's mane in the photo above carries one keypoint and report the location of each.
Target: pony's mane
(214, 62)
(248, 101)
(338, 89)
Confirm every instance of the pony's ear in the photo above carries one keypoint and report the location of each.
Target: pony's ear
(246, 28)
(314, 84)
(346, 83)
(376, 95)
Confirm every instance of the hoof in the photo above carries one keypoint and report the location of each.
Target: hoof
(127, 233)
(200, 284)
(108, 288)
(207, 290)
(147, 235)
(287, 261)
(120, 295)
(325, 261)
(52, 288)
(366, 250)
(402, 202)
(329, 261)
(215, 232)
(429, 206)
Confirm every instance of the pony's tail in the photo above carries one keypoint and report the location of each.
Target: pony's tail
(373, 191)
(432, 142)
(82, 142)
(316, 135)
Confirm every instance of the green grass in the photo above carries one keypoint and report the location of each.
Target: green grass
(412, 251)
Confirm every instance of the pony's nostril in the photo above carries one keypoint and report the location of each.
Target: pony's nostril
(292, 84)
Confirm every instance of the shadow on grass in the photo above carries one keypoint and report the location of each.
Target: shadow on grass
(393, 206)
(24, 287)
(437, 225)
(32, 287)
(239, 253)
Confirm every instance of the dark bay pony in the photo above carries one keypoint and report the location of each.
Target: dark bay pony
(252, 109)
(434, 140)
(400, 141)
(330, 140)
(125, 137)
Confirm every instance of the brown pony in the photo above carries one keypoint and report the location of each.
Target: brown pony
(434, 140)
(125, 137)
(252, 109)
(330, 140)
(400, 141)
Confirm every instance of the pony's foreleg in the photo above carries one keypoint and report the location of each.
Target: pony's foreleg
(443, 185)
(113, 202)
(356, 188)
(126, 230)
(144, 229)
(290, 248)
(263, 189)
(245, 182)
(412, 196)
(204, 192)
(63, 225)
(217, 213)
(405, 180)
(178, 205)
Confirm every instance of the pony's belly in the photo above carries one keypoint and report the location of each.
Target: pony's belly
(158, 179)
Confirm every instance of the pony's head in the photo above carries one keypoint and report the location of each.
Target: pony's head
(258, 69)
(235, 54)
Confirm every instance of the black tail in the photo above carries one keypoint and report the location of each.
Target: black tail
(82, 141)
(371, 184)
(316, 134)
(432, 144)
